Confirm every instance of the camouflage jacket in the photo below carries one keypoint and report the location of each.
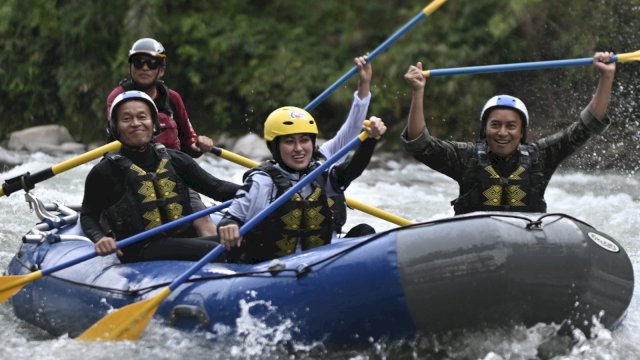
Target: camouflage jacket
(460, 160)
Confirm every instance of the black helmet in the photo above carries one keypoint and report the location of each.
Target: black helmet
(128, 96)
(148, 46)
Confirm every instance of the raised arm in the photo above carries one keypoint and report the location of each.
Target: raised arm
(600, 100)
(358, 112)
(365, 72)
(416, 80)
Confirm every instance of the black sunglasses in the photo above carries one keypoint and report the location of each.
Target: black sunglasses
(152, 63)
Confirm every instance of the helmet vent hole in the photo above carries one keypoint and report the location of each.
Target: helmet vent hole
(311, 122)
(288, 122)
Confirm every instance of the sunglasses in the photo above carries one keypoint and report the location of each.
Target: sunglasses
(152, 63)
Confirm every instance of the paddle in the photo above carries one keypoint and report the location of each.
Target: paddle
(27, 181)
(428, 10)
(128, 322)
(368, 209)
(634, 56)
(11, 284)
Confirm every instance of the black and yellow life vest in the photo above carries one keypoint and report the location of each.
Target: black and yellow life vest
(310, 221)
(150, 198)
(483, 188)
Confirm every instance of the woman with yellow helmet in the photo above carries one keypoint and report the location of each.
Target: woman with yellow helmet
(315, 214)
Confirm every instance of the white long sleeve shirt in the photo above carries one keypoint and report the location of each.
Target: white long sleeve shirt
(262, 190)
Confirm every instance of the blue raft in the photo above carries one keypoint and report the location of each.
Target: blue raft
(479, 270)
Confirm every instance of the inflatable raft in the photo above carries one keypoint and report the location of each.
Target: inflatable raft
(479, 270)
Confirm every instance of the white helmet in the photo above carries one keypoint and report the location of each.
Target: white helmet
(505, 101)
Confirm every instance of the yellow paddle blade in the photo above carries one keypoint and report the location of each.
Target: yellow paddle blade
(11, 284)
(433, 6)
(126, 323)
(634, 56)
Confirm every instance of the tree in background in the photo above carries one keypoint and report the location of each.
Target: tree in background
(236, 61)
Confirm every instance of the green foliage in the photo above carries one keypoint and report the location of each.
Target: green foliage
(236, 61)
(27, 89)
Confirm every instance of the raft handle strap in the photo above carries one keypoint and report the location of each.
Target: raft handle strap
(535, 225)
(185, 311)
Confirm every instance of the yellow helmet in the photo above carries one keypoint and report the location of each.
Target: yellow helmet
(289, 120)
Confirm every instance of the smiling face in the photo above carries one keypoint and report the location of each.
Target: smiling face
(135, 124)
(503, 131)
(296, 150)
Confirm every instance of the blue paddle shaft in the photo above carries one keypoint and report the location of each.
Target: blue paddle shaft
(141, 236)
(513, 67)
(315, 102)
(267, 211)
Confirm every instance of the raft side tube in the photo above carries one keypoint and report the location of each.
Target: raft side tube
(498, 270)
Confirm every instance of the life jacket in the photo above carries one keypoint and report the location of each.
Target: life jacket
(150, 198)
(169, 135)
(482, 188)
(310, 221)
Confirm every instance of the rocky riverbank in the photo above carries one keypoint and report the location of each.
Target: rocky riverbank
(56, 140)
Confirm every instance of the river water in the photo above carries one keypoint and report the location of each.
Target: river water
(610, 201)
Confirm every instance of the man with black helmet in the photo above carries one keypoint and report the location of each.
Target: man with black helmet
(502, 172)
(147, 65)
(143, 186)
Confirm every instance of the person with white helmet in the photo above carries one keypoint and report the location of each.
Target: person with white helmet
(315, 214)
(147, 66)
(143, 186)
(502, 171)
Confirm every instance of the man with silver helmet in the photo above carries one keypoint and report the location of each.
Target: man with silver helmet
(147, 66)
(143, 186)
(502, 171)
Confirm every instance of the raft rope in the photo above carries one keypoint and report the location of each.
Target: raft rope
(300, 271)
